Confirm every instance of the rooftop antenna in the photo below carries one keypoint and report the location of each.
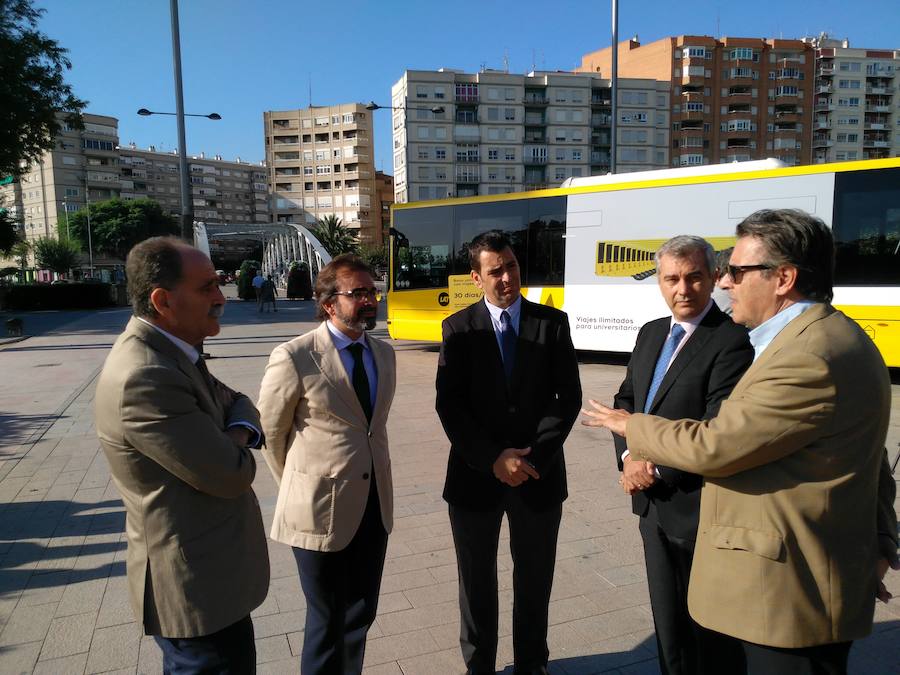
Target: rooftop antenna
(506, 60)
(533, 61)
(309, 84)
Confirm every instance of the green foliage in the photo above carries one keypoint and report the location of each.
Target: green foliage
(118, 224)
(20, 251)
(299, 284)
(334, 236)
(374, 256)
(57, 255)
(32, 87)
(245, 280)
(9, 232)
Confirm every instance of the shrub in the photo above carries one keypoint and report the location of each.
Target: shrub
(21, 297)
(245, 281)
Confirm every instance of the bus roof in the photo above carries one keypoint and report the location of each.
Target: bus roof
(708, 170)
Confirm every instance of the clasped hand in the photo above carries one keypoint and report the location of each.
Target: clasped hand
(512, 469)
(637, 475)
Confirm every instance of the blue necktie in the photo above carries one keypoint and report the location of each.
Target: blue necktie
(662, 363)
(361, 379)
(507, 343)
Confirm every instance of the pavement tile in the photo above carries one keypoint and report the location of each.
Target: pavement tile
(390, 583)
(391, 668)
(150, 660)
(113, 648)
(396, 647)
(27, 624)
(67, 665)
(273, 648)
(115, 609)
(421, 617)
(295, 640)
(82, 596)
(19, 658)
(278, 624)
(447, 591)
(290, 666)
(446, 662)
(69, 635)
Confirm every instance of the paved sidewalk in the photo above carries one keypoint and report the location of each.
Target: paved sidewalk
(63, 596)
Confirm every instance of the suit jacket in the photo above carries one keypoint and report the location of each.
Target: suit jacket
(319, 445)
(798, 498)
(482, 415)
(703, 374)
(197, 556)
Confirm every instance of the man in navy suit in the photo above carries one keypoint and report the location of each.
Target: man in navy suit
(508, 393)
(683, 366)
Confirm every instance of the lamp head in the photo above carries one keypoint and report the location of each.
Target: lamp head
(144, 112)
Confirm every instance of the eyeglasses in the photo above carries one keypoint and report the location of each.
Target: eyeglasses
(360, 294)
(736, 272)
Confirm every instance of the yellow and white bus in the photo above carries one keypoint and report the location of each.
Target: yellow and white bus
(587, 247)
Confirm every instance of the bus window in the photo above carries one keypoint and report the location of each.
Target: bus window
(546, 242)
(866, 225)
(506, 216)
(423, 260)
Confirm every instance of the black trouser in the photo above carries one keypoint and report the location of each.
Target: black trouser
(341, 589)
(830, 659)
(684, 647)
(532, 542)
(229, 651)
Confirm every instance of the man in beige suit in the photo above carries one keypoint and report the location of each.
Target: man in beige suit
(177, 444)
(324, 403)
(797, 525)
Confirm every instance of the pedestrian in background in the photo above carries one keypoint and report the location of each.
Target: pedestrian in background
(267, 294)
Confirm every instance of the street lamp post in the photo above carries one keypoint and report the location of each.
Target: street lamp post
(187, 202)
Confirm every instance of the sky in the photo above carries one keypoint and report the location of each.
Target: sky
(243, 57)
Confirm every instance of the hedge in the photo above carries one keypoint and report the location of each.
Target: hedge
(21, 297)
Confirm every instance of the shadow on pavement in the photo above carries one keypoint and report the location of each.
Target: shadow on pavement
(16, 429)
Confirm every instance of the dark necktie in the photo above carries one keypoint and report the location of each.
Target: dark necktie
(662, 363)
(507, 343)
(360, 379)
(207, 376)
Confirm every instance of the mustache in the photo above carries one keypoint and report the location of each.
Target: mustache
(216, 311)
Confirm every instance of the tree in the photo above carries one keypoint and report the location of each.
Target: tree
(33, 92)
(248, 270)
(20, 251)
(334, 236)
(56, 255)
(374, 256)
(9, 231)
(118, 224)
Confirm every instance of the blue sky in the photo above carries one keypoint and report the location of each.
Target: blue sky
(241, 57)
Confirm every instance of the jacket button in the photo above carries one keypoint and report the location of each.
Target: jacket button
(365, 476)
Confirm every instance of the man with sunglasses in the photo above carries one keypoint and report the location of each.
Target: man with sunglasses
(797, 525)
(324, 403)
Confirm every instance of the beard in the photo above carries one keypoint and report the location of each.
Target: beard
(363, 319)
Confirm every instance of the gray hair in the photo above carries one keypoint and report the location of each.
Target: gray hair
(795, 238)
(153, 263)
(684, 246)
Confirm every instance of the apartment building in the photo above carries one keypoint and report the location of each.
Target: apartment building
(732, 99)
(222, 191)
(857, 109)
(81, 167)
(384, 197)
(460, 134)
(321, 162)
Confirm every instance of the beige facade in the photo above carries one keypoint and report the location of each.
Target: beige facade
(89, 166)
(384, 197)
(222, 191)
(732, 99)
(459, 134)
(857, 109)
(321, 162)
(82, 167)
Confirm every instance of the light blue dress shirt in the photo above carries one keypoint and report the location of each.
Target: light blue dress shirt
(341, 342)
(514, 311)
(762, 336)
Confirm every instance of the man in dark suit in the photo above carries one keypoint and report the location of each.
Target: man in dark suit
(682, 366)
(508, 393)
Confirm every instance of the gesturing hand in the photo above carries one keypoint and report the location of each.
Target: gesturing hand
(601, 416)
(511, 469)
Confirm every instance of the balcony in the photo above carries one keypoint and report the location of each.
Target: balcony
(739, 91)
(468, 159)
(879, 90)
(534, 120)
(535, 138)
(822, 141)
(535, 99)
(535, 160)
(821, 124)
(827, 105)
(468, 176)
(876, 71)
(825, 69)
(466, 98)
(739, 110)
(785, 129)
(600, 100)
(877, 108)
(601, 120)
(600, 158)
(824, 89)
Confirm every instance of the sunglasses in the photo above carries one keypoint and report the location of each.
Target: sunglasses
(736, 272)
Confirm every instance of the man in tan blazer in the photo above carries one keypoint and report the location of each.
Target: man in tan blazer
(177, 444)
(324, 403)
(797, 525)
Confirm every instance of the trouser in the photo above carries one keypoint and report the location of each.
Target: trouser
(229, 651)
(341, 589)
(684, 647)
(830, 659)
(532, 541)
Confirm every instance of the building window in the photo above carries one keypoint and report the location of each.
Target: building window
(439, 92)
(509, 114)
(493, 114)
(421, 91)
(576, 155)
(440, 153)
(493, 154)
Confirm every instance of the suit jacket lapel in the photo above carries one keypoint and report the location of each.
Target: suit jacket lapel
(164, 345)
(328, 360)
(526, 342)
